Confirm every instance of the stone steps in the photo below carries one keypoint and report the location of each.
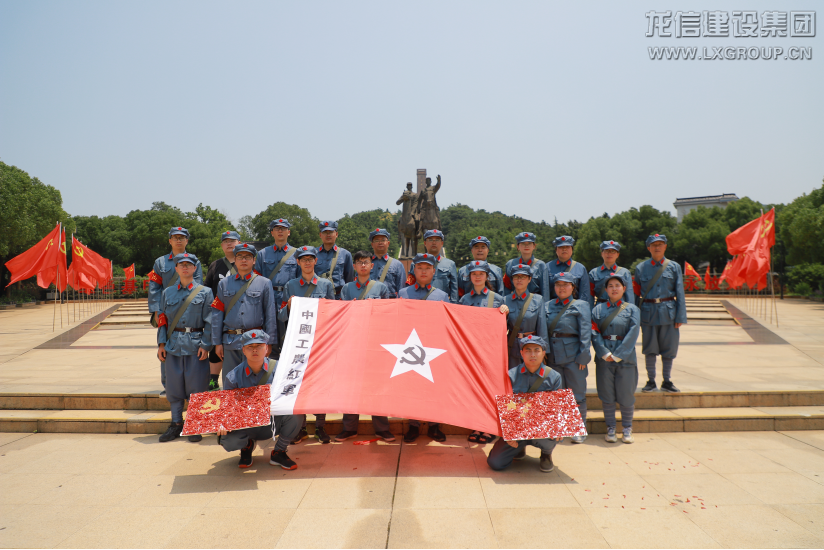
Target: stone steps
(643, 401)
(645, 421)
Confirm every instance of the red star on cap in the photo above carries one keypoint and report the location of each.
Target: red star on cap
(477, 263)
(479, 237)
(254, 335)
(424, 255)
(180, 229)
(245, 245)
(529, 337)
(280, 220)
(563, 238)
(304, 248)
(227, 232)
(526, 234)
(325, 223)
(611, 242)
(561, 274)
(656, 234)
(186, 255)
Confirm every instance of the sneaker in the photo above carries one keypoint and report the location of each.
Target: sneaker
(521, 454)
(611, 437)
(195, 438)
(302, 434)
(627, 436)
(579, 438)
(344, 435)
(412, 434)
(546, 463)
(386, 436)
(280, 458)
(246, 455)
(214, 385)
(667, 385)
(173, 432)
(650, 386)
(435, 433)
(322, 436)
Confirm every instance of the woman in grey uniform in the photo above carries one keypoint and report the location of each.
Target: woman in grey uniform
(526, 312)
(482, 295)
(569, 325)
(615, 328)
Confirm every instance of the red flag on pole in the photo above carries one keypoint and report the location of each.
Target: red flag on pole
(78, 280)
(725, 273)
(405, 358)
(90, 263)
(752, 242)
(689, 271)
(41, 257)
(129, 271)
(58, 273)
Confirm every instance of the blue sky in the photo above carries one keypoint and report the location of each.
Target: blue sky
(539, 109)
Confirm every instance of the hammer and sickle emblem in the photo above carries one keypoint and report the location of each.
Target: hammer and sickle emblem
(418, 359)
(767, 225)
(51, 242)
(210, 406)
(62, 248)
(77, 250)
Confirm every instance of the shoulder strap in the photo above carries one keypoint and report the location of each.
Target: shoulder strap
(655, 277)
(229, 266)
(332, 267)
(516, 328)
(264, 379)
(490, 302)
(309, 290)
(386, 269)
(282, 261)
(557, 318)
(365, 290)
(173, 280)
(173, 325)
(537, 384)
(431, 290)
(604, 325)
(572, 264)
(238, 294)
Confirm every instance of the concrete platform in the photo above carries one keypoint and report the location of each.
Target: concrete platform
(667, 490)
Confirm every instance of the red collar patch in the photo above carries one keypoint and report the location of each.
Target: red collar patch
(523, 369)
(616, 304)
(521, 261)
(541, 372)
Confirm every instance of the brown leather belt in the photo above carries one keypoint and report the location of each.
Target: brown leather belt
(241, 330)
(188, 329)
(659, 300)
(613, 337)
(563, 335)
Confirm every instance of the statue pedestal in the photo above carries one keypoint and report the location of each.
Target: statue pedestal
(407, 263)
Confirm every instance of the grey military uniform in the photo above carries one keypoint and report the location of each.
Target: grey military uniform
(534, 321)
(344, 271)
(569, 345)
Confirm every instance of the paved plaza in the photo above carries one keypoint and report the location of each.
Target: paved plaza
(749, 489)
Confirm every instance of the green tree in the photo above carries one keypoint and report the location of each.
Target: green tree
(205, 225)
(245, 229)
(353, 231)
(29, 210)
(304, 230)
(801, 227)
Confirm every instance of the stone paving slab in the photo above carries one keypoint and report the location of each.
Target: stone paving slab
(670, 490)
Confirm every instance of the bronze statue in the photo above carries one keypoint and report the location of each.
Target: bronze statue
(428, 212)
(408, 224)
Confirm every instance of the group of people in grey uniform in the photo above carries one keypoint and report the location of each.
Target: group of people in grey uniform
(556, 313)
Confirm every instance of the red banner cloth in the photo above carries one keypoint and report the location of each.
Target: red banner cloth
(41, 257)
(129, 271)
(90, 263)
(752, 243)
(404, 358)
(57, 274)
(539, 415)
(79, 281)
(232, 409)
(689, 271)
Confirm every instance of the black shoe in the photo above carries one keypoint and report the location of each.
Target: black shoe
(344, 435)
(213, 384)
(302, 434)
(435, 433)
(195, 438)
(650, 386)
(246, 455)
(280, 458)
(546, 463)
(521, 454)
(386, 436)
(667, 385)
(172, 433)
(412, 434)
(322, 436)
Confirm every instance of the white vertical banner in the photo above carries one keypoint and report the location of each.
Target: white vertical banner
(294, 356)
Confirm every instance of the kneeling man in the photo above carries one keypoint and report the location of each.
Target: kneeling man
(530, 376)
(257, 369)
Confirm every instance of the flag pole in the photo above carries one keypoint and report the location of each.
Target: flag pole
(772, 289)
(54, 309)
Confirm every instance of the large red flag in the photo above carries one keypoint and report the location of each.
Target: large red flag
(78, 280)
(90, 263)
(724, 274)
(403, 358)
(753, 242)
(58, 273)
(129, 271)
(41, 257)
(689, 271)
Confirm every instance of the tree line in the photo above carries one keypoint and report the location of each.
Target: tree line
(29, 209)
